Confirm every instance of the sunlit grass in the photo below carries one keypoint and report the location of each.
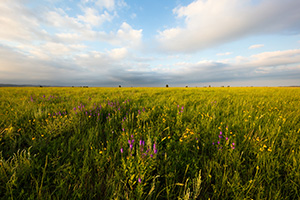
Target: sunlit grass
(149, 143)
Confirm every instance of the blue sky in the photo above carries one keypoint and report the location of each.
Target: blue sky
(150, 43)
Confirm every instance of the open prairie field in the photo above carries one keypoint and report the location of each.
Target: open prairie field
(149, 143)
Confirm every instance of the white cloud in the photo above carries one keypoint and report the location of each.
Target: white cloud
(224, 54)
(125, 36)
(208, 23)
(93, 18)
(107, 4)
(59, 19)
(68, 37)
(20, 27)
(275, 58)
(256, 46)
(118, 54)
(52, 50)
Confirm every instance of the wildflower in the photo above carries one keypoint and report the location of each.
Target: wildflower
(232, 145)
(226, 138)
(121, 150)
(261, 149)
(140, 180)
(269, 149)
(154, 148)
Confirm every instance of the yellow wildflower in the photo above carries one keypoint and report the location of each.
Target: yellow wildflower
(269, 149)
(261, 149)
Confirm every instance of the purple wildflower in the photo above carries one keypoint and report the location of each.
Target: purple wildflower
(154, 148)
(140, 180)
(121, 150)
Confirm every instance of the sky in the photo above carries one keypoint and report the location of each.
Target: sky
(143, 43)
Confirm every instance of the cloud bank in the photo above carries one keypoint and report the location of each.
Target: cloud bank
(210, 23)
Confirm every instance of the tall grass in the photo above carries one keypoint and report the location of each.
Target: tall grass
(149, 143)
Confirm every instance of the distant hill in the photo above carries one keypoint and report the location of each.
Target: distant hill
(16, 85)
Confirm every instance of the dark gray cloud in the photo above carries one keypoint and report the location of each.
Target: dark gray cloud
(100, 69)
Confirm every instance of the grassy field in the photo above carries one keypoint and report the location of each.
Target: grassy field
(149, 143)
